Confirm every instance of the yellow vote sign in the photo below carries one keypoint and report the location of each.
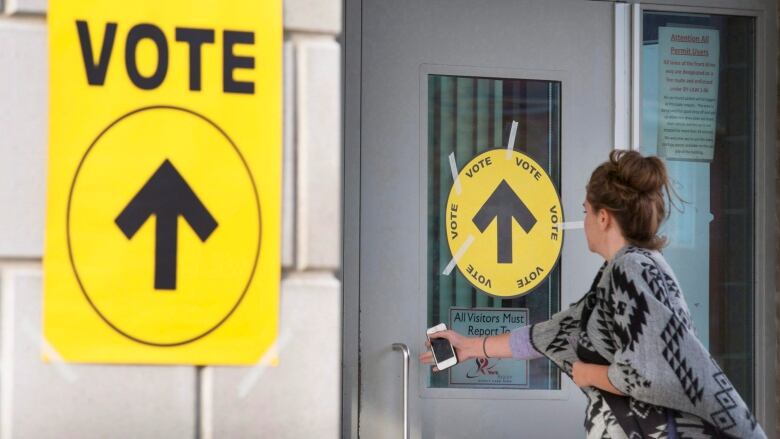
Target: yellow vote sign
(162, 230)
(503, 223)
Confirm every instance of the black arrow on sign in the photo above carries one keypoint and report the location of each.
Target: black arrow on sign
(503, 205)
(166, 195)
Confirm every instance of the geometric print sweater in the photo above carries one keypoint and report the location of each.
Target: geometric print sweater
(635, 319)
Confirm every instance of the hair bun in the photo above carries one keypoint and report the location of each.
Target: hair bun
(644, 175)
(634, 189)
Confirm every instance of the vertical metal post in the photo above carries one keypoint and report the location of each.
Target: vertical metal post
(636, 79)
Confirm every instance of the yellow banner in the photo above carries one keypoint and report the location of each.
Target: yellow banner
(162, 230)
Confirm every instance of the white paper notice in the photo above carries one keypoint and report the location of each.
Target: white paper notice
(504, 373)
(688, 92)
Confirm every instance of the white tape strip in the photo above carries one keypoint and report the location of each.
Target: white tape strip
(454, 169)
(570, 225)
(206, 402)
(458, 254)
(63, 370)
(254, 374)
(511, 144)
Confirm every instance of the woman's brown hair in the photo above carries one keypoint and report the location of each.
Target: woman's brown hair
(634, 189)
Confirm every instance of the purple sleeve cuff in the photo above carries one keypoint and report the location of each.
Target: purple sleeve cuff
(520, 344)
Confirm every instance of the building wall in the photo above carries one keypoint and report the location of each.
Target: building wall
(301, 397)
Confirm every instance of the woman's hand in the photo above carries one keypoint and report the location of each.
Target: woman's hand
(593, 375)
(465, 347)
(581, 373)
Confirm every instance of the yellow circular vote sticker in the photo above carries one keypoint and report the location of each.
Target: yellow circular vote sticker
(163, 226)
(503, 219)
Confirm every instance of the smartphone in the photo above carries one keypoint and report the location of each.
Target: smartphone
(443, 353)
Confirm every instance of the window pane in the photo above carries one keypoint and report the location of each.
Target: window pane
(698, 113)
(467, 116)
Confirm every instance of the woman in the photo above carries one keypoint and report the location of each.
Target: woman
(629, 342)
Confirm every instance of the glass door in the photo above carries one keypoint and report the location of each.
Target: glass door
(468, 116)
(698, 105)
(443, 88)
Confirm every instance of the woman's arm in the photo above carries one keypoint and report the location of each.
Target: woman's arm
(514, 344)
(593, 375)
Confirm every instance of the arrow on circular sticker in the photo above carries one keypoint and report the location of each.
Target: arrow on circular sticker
(166, 195)
(503, 205)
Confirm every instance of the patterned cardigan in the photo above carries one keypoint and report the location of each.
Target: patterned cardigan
(635, 319)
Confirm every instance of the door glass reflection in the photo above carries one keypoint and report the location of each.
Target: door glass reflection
(466, 117)
(698, 114)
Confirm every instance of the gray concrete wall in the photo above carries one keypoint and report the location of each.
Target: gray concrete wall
(300, 397)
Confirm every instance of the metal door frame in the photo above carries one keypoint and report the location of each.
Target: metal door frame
(351, 88)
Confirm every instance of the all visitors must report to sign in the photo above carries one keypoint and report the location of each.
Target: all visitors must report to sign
(688, 92)
(489, 372)
(162, 229)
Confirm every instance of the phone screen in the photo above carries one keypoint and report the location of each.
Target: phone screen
(441, 349)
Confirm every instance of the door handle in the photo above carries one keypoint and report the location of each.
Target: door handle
(405, 351)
